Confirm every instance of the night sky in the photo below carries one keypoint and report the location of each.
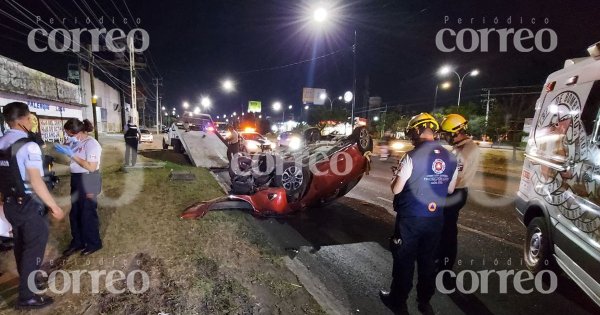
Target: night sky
(195, 44)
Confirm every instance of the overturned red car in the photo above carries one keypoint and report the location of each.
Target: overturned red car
(274, 184)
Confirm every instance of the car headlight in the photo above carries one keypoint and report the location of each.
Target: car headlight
(398, 146)
(252, 145)
(294, 143)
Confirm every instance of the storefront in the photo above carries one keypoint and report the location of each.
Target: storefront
(51, 115)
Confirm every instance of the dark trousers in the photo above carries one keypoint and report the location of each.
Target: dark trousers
(85, 225)
(232, 149)
(131, 149)
(419, 238)
(449, 241)
(30, 231)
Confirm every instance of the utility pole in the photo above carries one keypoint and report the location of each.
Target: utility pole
(353, 82)
(93, 91)
(134, 113)
(487, 111)
(157, 83)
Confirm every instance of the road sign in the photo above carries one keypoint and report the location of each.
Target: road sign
(254, 106)
(313, 96)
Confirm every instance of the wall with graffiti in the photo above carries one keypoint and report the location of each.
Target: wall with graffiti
(16, 78)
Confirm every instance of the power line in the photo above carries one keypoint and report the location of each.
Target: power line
(295, 63)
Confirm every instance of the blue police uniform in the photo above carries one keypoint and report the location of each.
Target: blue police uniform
(25, 212)
(428, 171)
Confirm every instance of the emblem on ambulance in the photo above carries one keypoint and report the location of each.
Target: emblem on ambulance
(438, 166)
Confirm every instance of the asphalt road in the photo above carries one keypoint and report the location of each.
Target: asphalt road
(339, 252)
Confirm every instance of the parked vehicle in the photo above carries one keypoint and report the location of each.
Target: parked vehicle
(559, 195)
(146, 136)
(254, 142)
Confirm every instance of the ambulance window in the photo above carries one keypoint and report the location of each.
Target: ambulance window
(589, 116)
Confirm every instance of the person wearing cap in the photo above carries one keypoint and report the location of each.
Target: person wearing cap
(454, 130)
(425, 176)
(25, 199)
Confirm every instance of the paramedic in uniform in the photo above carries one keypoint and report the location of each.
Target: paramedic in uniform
(85, 153)
(26, 200)
(420, 185)
(454, 127)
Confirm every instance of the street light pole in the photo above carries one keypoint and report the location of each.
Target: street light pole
(353, 80)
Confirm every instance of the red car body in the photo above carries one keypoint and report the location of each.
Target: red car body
(322, 181)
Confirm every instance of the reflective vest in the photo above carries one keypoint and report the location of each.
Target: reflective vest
(425, 192)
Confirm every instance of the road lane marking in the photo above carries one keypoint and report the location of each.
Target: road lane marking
(496, 238)
(385, 199)
(491, 193)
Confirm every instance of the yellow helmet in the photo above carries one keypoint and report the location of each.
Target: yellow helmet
(454, 123)
(423, 120)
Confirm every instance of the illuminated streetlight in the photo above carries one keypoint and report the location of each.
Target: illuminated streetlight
(445, 70)
(277, 106)
(225, 116)
(163, 108)
(290, 107)
(186, 105)
(320, 15)
(306, 107)
(197, 110)
(205, 102)
(445, 85)
(234, 113)
(376, 118)
(228, 85)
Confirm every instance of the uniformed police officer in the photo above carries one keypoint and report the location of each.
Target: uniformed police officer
(420, 186)
(132, 139)
(454, 127)
(86, 183)
(25, 197)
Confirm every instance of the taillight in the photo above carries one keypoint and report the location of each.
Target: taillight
(550, 86)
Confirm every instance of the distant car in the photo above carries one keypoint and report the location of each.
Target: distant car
(146, 136)
(254, 142)
(289, 140)
(221, 128)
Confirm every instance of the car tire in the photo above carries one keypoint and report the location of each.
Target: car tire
(363, 139)
(294, 178)
(165, 145)
(537, 250)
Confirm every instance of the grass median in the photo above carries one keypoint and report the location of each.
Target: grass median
(219, 264)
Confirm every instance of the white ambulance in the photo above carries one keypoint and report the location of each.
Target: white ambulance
(559, 195)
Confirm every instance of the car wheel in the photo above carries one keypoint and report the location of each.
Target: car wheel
(537, 251)
(294, 179)
(363, 139)
(165, 145)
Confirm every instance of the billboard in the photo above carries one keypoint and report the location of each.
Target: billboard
(254, 106)
(313, 96)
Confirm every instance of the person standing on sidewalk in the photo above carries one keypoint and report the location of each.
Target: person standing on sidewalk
(454, 127)
(132, 139)
(86, 183)
(420, 185)
(25, 199)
